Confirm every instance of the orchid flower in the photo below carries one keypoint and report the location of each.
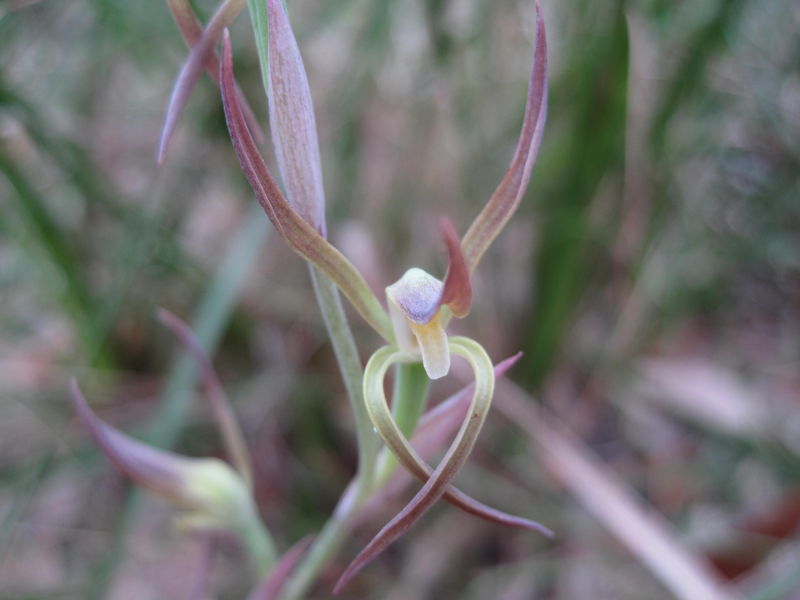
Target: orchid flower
(413, 324)
(415, 301)
(419, 304)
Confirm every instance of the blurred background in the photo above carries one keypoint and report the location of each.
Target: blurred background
(651, 277)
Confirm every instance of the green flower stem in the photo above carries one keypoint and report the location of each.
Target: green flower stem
(258, 543)
(329, 299)
(409, 397)
(333, 533)
(328, 542)
(344, 347)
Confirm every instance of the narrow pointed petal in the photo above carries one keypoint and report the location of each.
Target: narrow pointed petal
(457, 293)
(221, 407)
(453, 460)
(201, 57)
(163, 473)
(292, 123)
(301, 237)
(435, 426)
(508, 194)
(271, 587)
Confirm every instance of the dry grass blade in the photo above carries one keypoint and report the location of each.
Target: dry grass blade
(644, 533)
(221, 407)
(706, 393)
(201, 57)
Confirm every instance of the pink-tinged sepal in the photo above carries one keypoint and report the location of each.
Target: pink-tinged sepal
(292, 123)
(509, 192)
(457, 292)
(301, 236)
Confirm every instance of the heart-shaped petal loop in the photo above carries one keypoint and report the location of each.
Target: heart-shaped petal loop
(438, 484)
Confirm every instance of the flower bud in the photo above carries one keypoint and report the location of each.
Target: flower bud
(211, 492)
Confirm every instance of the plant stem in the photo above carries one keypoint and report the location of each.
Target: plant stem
(409, 396)
(258, 543)
(330, 538)
(328, 541)
(344, 346)
(410, 392)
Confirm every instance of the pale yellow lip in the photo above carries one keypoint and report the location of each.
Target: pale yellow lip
(433, 346)
(415, 308)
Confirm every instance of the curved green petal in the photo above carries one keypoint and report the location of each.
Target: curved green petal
(437, 482)
(405, 453)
